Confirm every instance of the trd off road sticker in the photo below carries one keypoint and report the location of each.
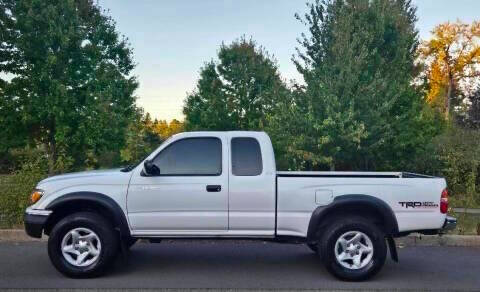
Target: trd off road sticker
(424, 205)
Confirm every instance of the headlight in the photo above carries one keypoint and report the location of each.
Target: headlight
(36, 195)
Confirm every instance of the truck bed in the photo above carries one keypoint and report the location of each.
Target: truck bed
(299, 193)
(351, 174)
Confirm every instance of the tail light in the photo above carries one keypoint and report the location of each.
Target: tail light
(444, 202)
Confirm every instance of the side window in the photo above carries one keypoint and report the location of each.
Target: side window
(246, 157)
(191, 156)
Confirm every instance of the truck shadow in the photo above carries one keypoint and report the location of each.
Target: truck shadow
(220, 258)
(227, 264)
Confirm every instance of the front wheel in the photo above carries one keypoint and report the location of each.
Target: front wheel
(82, 245)
(353, 249)
(129, 242)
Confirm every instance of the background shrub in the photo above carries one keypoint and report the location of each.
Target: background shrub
(15, 190)
(458, 153)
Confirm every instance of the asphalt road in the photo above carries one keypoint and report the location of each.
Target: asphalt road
(227, 264)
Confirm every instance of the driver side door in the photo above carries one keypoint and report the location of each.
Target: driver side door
(189, 197)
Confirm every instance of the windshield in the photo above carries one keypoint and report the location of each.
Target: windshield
(132, 166)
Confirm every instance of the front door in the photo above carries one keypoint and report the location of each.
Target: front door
(190, 196)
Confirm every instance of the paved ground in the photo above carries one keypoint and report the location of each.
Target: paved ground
(228, 264)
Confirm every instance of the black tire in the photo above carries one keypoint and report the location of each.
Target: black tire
(313, 247)
(130, 241)
(339, 227)
(108, 238)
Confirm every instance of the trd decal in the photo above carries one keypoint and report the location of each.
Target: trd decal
(418, 204)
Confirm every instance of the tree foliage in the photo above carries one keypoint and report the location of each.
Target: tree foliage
(237, 92)
(469, 116)
(451, 56)
(144, 135)
(14, 189)
(140, 140)
(358, 108)
(163, 128)
(458, 154)
(71, 89)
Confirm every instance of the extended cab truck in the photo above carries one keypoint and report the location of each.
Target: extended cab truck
(225, 185)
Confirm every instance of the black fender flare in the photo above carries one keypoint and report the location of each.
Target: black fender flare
(321, 213)
(115, 212)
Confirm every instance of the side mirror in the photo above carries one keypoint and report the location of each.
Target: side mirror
(150, 168)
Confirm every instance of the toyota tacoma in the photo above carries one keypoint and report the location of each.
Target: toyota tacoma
(225, 185)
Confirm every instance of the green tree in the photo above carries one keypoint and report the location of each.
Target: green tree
(457, 155)
(141, 138)
(469, 116)
(71, 89)
(237, 92)
(359, 107)
(9, 116)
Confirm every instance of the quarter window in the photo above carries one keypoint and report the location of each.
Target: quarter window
(246, 157)
(191, 156)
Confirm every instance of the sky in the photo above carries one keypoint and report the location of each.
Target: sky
(171, 40)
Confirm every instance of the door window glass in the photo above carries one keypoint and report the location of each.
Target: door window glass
(191, 156)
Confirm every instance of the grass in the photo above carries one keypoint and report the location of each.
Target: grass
(473, 203)
(467, 224)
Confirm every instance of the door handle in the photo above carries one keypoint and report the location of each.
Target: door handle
(214, 188)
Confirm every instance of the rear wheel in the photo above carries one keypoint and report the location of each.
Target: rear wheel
(353, 249)
(83, 245)
(313, 247)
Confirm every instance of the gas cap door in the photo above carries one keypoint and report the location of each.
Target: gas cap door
(323, 197)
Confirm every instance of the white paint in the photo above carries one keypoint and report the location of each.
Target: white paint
(177, 206)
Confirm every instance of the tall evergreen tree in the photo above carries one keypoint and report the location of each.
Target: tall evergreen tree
(71, 88)
(358, 65)
(237, 92)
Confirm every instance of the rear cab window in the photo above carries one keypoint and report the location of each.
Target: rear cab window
(246, 157)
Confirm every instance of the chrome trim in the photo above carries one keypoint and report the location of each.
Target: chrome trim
(450, 223)
(38, 212)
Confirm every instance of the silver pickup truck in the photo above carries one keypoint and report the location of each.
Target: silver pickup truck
(225, 185)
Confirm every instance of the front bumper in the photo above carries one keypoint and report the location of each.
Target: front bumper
(450, 224)
(34, 221)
